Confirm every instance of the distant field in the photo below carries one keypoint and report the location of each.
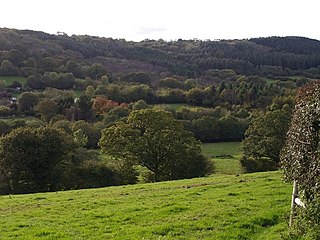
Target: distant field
(27, 118)
(175, 106)
(219, 148)
(224, 165)
(249, 206)
(9, 80)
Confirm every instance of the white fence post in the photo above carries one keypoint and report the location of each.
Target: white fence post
(294, 196)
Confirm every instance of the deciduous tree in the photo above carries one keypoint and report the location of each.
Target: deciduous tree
(27, 101)
(155, 140)
(30, 158)
(264, 140)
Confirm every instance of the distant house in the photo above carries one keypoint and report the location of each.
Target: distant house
(13, 99)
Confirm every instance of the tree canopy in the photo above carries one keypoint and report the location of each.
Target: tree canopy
(155, 140)
(24, 52)
(30, 158)
(264, 140)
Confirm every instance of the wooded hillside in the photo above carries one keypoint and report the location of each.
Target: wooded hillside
(274, 56)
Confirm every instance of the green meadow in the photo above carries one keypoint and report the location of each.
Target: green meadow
(176, 106)
(245, 206)
(8, 80)
(225, 155)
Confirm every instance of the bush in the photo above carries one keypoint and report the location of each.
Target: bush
(5, 111)
(95, 174)
(124, 172)
(87, 170)
(251, 165)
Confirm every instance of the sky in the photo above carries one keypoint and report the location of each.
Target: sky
(165, 19)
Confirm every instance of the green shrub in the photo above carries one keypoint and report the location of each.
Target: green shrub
(95, 174)
(251, 165)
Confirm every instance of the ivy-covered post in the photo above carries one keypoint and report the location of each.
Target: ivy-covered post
(300, 157)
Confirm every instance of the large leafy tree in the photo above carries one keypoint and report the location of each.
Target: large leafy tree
(27, 101)
(96, 71)
(90, 131)
(46, 108)
(7, 68)
(84, 103)
(264, 140)
(155, 140)
(30, 158)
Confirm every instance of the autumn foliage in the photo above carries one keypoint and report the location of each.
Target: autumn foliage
(101, 105)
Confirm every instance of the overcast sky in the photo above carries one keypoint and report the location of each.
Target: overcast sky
(167, 19)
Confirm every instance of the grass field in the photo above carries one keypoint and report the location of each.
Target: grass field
(175, 106)
(248, 206)
(9, 80)
(228, 164)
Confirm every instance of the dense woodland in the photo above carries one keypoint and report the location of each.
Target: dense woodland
(188, 58)
(78, 86)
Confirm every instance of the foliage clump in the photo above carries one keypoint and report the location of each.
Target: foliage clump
(300, 157)
(30, 159)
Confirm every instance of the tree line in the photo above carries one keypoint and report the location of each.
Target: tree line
(272, 56)
(47, 158)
